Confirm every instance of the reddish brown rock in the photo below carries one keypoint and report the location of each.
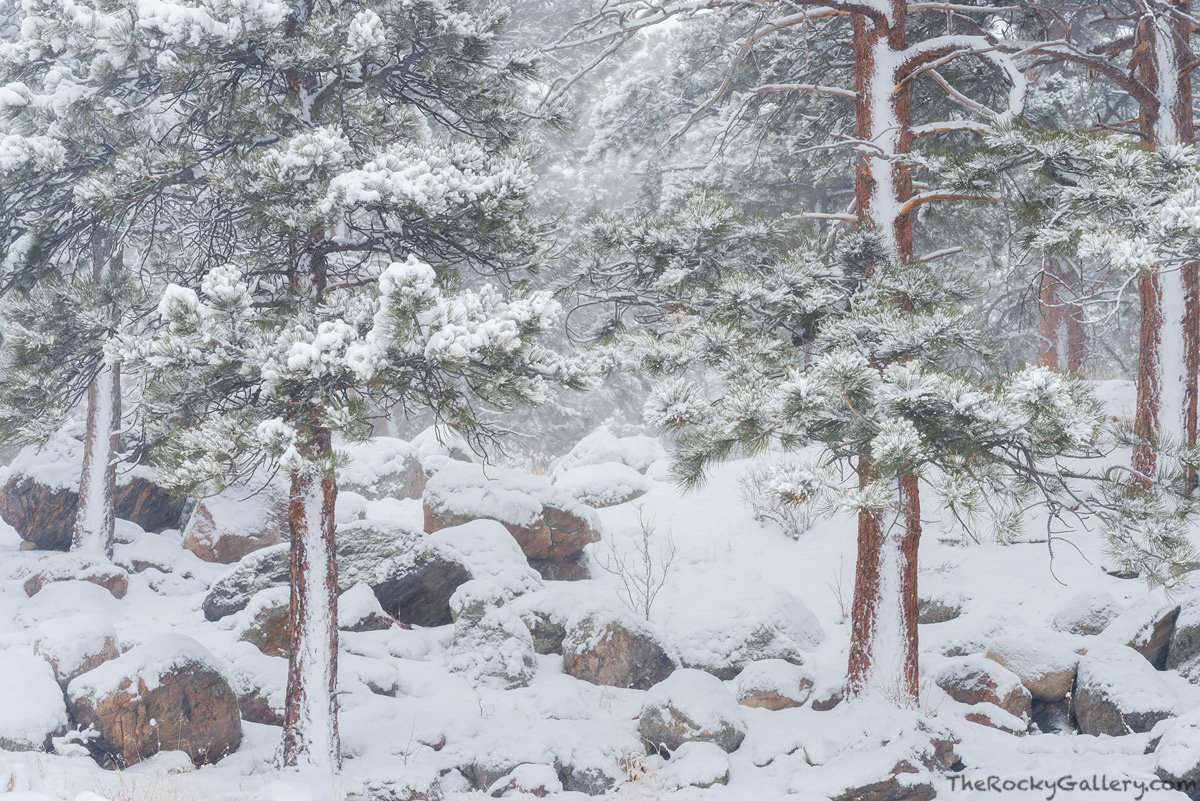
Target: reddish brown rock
(167, 694)
(975, 680)
(229, 527)
(617, 651)
(45, 515)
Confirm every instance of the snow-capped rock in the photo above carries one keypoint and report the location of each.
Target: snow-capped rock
(74, 645)
(382, 467)
(773, 684)
(1045, 667)
(616, 649)
(226, 528)
(690, 706)
(167, 694)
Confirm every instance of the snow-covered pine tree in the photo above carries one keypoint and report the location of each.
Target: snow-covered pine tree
(361, 170)
(1144, 49)
(61, 240)
(875, 69)
(1128, 210)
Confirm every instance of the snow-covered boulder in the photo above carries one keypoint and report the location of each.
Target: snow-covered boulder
(226, 528)
(602, 485)
(232, 592)
(548, 612)
(773, 684)
(749, 627)
(604, 447)
(167, 694)
(1045, 667)
(264, 622)
(31, 703)
(1146, 627)
(691, 706)
(527, 781)
(74, 645)
(1117, 692)
(1177, 755)
(938, 607)
(545, 521)
(1088, 613)
(1183, 652)
(71, 567)
(977, 680)
(41, 495)
(616, 649)
(382, 467)
(696, 764)
(491, 644)
(359, 610)
(390, 558)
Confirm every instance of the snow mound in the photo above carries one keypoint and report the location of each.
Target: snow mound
(603, 485)
(31, 702)
(602, 446)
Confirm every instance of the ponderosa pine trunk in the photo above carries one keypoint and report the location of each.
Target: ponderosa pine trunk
(310, 730)
(95, 516)
(883, 635)
(1169, 335)
(1059, 327)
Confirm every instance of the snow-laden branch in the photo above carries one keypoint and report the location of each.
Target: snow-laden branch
(805, 87)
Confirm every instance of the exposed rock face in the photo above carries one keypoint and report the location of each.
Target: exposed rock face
(616, 650)
(41, 496)
(1053, 717)
(937, 609)
(1183, 652)
(691, 706)
(266, 624)
(1146, 627)
(167, 694)
(1116, 693)
(41, 514)
(1154, 640)
(546, 522)
(74, 645)
(410, 581)
(773, 684)
(232, 592)
(574, 569)
(31, 701)
(976, 680)
(1046, 669)
(70, 568)
(228, 527)
(143, 502)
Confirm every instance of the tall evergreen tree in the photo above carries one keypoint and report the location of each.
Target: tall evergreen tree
(358, 175)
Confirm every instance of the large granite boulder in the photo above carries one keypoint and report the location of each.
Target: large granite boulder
(74, 645)
(546, 522)
(615, 649)
(168, 694)
(226, 528)
(41, 495)
(1183, 652)
(1117, 693)
(975, 680)
(1045, 667)
(691, 706)
(382, 467)
(768, 624)
(53, 568)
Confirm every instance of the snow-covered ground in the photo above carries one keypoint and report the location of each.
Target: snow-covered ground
(728, 573)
